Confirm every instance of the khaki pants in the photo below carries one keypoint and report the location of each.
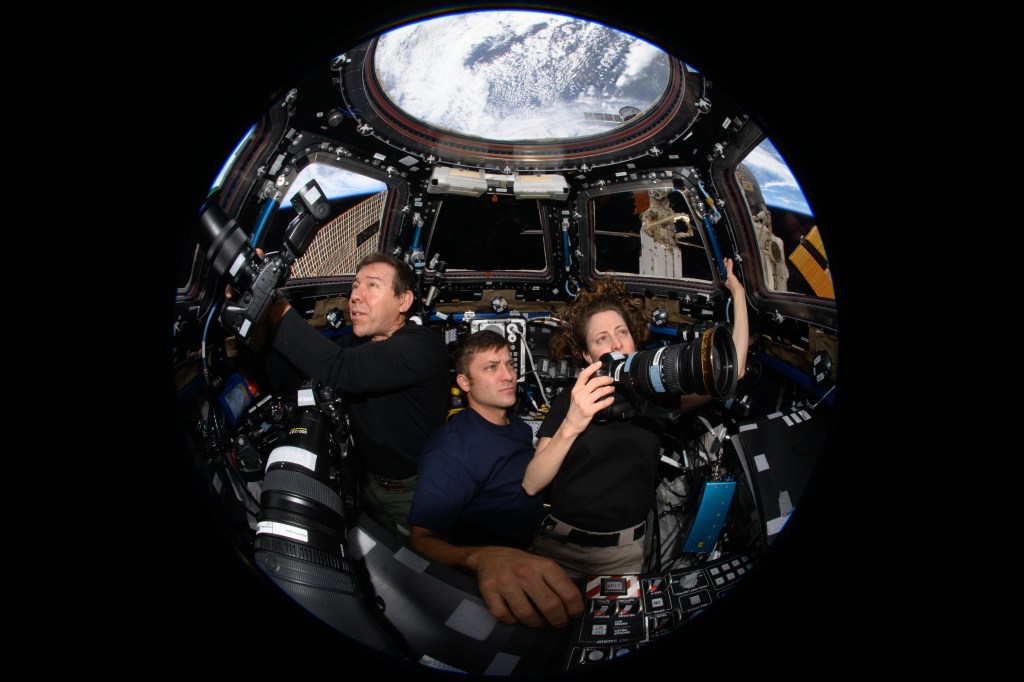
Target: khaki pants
(580, 561)
(390, 508)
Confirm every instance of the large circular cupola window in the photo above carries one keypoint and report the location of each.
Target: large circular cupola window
(520, 75)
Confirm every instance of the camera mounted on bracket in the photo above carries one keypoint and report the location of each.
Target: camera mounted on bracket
(301, 541)
(254, 277)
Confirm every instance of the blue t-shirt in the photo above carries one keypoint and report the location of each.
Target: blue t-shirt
(470, 486)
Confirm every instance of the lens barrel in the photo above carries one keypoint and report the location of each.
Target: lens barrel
(301, 542)
(706, 366)
(227, 245)
(301, 514)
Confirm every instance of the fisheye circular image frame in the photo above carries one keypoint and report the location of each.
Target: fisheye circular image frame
(551, 158)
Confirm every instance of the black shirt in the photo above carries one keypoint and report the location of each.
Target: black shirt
(608, 479)
(396, 390)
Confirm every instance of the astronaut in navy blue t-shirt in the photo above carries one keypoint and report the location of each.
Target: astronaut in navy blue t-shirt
(470, 511)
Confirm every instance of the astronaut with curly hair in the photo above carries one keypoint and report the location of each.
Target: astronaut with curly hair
(600, 476)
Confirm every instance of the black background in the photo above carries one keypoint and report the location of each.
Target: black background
(899, 559)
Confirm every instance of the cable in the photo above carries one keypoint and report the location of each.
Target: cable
(533, 368)
(206, 328)
(655, 529)
(663, 484)
(238, 484)
(546, 319)
(824, 396)
(269, 207)
(714, 434)
(529, 395)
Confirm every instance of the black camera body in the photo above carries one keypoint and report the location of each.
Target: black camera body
(257, 278)
(645, 380)
(243, 312)
(626, 402)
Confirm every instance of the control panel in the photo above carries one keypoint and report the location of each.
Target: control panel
(622, 613)
(441, 614)
(514, 331)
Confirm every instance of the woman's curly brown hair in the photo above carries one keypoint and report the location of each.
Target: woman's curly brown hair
(570, 340)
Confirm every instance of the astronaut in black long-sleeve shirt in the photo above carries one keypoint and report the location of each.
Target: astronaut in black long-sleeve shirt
(394, 375)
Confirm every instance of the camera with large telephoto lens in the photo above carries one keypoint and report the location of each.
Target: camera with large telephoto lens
(301, 532)
(646, 380)
(256, 278)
